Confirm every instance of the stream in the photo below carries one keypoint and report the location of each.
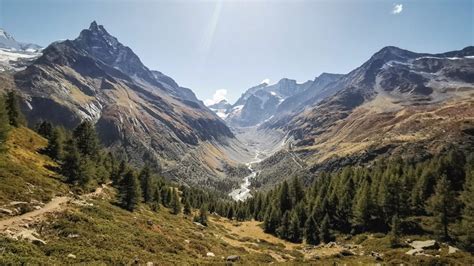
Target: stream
(243, 192)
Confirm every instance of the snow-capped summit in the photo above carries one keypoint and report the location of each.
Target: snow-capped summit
(7, 41)
(16, 55)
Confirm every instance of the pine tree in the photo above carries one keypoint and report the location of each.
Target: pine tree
(187, 206)
(443, 205)
(130, 191)
(361, 208)
(271, 220)
(71, 166)
(311, 231)
(147, 184)
(87, 140)
(230, 213)
(55, 145)
(175, 204)
(395, 232)
(297, 192)
(324, 231)
(202, 216)
(284, 198)
(13, 109)
(4, 124)
(294, 232)
(467, 197)
(283, 230)
(45, 129)
(156, 199)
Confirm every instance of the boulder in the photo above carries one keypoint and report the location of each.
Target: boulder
(414, 251)
(6, 211)
(149, 263)
(233, 258)
(210, 254)
(452, 250)
(71, 256)
(427, 244)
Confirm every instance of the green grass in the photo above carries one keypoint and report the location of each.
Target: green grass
(108, 234)
(25, 174)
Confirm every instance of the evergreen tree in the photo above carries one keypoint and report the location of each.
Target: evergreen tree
(202, 216)
(324, 231)
(13, 109)
(230, 213)
(297, 192)
(55, 145)
(294, 232)
(147, 184)
(187, 207)
(271, 220)
(361, 208)
(284, 198)
(443, 205)
(311, 231)
(467, 197)
(130, 193)
(284, 228)
(156, 199)
(395, 232)
(45, 129)
(71, 166)
(4, 124)
(86, 139)
(175, 204)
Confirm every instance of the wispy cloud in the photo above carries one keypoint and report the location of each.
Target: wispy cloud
(218, 96)
(397, 9)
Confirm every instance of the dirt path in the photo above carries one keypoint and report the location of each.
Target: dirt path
(56, 204)
(52, 206)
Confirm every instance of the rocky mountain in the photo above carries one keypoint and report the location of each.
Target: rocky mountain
(265, 102)
(397, 102)
(141, 114)
(14, 55)
(221, 108)
(261, 102)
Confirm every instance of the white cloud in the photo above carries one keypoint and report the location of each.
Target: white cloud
(265, 81)
(218, 96)
(397, 9)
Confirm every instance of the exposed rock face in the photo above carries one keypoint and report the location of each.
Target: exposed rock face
(143, 113)
(398, 102)
(266, 102)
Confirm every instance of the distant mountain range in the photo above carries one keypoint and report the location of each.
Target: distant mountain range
(264, 101)
(14, 55)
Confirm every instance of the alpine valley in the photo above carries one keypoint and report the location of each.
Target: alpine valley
(105, 161)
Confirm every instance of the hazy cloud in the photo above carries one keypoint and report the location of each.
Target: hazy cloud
(397, 9)
(265, 81)
(218, 96)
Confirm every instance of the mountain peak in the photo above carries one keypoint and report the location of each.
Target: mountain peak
(93, 26)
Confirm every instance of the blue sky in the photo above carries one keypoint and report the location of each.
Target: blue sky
(233, 45)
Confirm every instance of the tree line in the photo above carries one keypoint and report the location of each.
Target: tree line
(383, 197)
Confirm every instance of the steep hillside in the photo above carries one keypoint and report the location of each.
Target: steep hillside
(143, 115)
(27, 175)
(397, 102)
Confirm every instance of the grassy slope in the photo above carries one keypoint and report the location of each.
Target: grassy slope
(25, 174)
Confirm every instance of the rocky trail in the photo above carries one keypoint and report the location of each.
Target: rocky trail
(18, 227)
